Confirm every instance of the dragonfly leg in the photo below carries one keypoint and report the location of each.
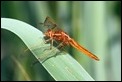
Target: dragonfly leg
(51, 43)
(47, 40)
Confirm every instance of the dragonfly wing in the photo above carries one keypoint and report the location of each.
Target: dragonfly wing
(49, 22)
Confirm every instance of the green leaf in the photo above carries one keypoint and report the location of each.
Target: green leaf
(62, 67)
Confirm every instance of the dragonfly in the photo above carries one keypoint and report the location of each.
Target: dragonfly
(54, 33)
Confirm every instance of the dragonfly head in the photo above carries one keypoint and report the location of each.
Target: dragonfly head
(48, 33)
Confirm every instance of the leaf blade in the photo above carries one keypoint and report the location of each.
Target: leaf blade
(62, 67)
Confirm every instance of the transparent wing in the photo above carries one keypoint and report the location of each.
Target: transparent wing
(49, 23)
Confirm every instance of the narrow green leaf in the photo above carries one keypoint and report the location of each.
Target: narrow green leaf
(62, 67)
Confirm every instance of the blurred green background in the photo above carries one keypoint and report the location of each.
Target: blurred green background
(96, 25)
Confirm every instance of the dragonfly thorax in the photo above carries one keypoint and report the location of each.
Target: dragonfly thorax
(58, 35)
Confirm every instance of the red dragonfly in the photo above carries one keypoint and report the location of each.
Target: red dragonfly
(54, 33)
